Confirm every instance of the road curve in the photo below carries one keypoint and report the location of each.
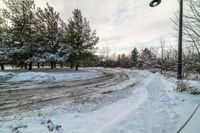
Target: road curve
(34, 97)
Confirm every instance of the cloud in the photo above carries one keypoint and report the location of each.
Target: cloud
(122, 24)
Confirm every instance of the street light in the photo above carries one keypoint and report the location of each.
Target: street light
(180, 38)
(155, 3)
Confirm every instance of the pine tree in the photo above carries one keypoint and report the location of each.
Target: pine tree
(64, 50)
(134, 57)
(1, 44)
(147, 56)
(4, 41)
(20, 14)
(80, 37)
(51, 39)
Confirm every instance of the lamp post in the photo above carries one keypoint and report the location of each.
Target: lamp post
(180, 38)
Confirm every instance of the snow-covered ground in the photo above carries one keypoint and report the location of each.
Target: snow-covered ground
(152, 106)
(5, 75)
(41, 77)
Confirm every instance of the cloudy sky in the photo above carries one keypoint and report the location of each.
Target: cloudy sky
(123, 24)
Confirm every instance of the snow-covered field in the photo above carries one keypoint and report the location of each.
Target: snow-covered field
(130, 101)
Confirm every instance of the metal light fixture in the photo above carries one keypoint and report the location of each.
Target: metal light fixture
(155, 3)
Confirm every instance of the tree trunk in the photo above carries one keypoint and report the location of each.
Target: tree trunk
(42, 65)
(52, 65)
(71, 65)
(30, 66)
(76, 66)
(77, 59)
(38, 65)
(25, 66)
(2, 66)
(61, 65)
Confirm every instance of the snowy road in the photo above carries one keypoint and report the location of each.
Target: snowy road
(21, 97)
(115, 101)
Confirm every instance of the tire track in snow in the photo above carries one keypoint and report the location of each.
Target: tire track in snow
(53, 94)
(155, 114)
(123, 109)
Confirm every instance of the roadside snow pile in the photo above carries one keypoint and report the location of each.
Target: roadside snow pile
(195, 84)
(6, 75)
(36, 77)
(75, 75)
(41, 77)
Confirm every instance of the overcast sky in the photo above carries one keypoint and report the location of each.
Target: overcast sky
(123, 24)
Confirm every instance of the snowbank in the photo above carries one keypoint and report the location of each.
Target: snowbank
(6, 75)
(36, 77)
(75, 75)
(195, 84)
(41, 77)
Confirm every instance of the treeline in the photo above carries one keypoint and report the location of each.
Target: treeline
(162, 59)
(30, 35)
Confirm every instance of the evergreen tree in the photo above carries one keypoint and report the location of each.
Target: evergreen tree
(80, 37)
(41, 36)
(21, 15)
(65, 50)
(1, 28)
(147, 56)
(4, 42)
(2, 56)
(134, 57)
(50, 36)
